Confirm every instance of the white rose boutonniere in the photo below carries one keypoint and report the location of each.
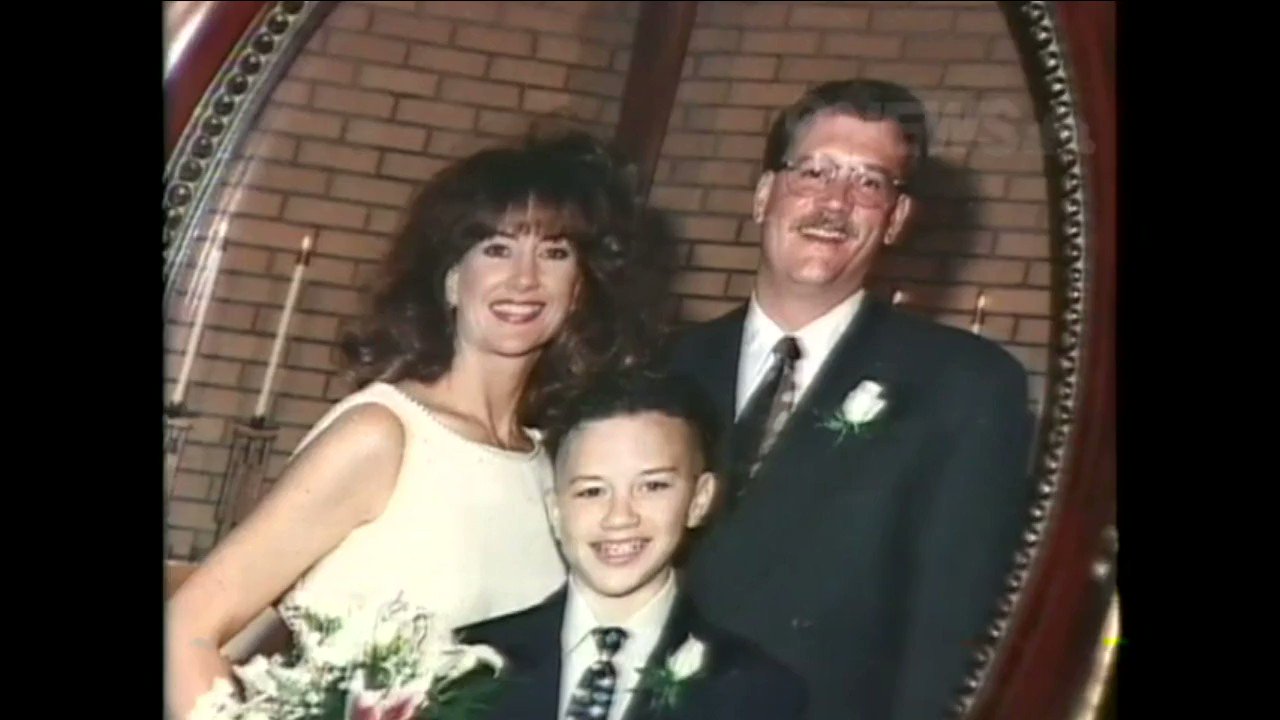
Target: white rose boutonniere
(861, 407)
(686, 661)
(668, 682)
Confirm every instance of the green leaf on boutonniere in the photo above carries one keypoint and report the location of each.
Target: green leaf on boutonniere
(663, 687)
(844, 428)
(667, 683)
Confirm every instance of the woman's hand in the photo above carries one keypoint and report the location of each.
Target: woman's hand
(340, 481)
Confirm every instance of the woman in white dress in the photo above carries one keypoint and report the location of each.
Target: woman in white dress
(505, 289)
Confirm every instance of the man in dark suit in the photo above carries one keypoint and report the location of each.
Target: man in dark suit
(621, 641)
(875, 462)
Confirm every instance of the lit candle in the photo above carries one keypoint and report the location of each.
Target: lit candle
(977, 313)
(898, 296)
(206, 294)
(304, 258)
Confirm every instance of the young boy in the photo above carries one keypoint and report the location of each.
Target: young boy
(620, 641)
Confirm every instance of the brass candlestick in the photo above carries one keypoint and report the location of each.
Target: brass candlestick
(243, 481)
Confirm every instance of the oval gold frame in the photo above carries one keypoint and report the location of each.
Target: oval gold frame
(1062, 589)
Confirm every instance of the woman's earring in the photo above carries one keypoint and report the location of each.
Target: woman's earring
(451, 290)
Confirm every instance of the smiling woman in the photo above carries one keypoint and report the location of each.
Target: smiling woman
(514, 289)
(549, 227)
(478, 325)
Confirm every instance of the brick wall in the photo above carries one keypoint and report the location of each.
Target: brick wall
(386, 93)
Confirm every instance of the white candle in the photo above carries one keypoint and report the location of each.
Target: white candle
(898, 296)
(977, 313)
(206, 294)
(304, 257)
(204, 272)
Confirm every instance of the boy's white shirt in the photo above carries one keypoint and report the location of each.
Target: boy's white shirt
(578, 648)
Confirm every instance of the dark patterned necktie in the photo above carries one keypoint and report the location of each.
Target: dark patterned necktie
(594, 694)
(768, 410)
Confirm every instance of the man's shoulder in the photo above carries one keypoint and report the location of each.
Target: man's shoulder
(689, 347)
(710, 330)
(962, 352)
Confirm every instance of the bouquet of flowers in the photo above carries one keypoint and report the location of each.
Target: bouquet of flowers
(374, 662)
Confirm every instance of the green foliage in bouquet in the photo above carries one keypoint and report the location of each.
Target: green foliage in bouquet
(389, 662)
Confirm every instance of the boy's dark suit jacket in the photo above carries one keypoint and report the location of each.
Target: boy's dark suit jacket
(874, 565)
(738, 682)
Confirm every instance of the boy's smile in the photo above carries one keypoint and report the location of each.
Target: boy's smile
(627, 489)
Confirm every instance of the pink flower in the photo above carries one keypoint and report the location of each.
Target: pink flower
(374, 705)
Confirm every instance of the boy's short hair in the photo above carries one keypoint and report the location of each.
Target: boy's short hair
(633, 392)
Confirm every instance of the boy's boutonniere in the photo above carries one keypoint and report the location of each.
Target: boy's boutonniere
(860, 408)
(668, 682)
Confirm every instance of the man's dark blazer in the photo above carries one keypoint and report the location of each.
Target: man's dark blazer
(739, 682)
(873, 564)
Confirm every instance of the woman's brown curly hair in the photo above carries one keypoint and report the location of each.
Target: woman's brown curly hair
(618, 317)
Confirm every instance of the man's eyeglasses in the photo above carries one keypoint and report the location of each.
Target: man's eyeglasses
(814, 176)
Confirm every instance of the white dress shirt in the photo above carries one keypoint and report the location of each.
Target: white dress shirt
(578, 647)
(816, 340)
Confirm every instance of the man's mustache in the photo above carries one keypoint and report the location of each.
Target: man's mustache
(827, 222)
